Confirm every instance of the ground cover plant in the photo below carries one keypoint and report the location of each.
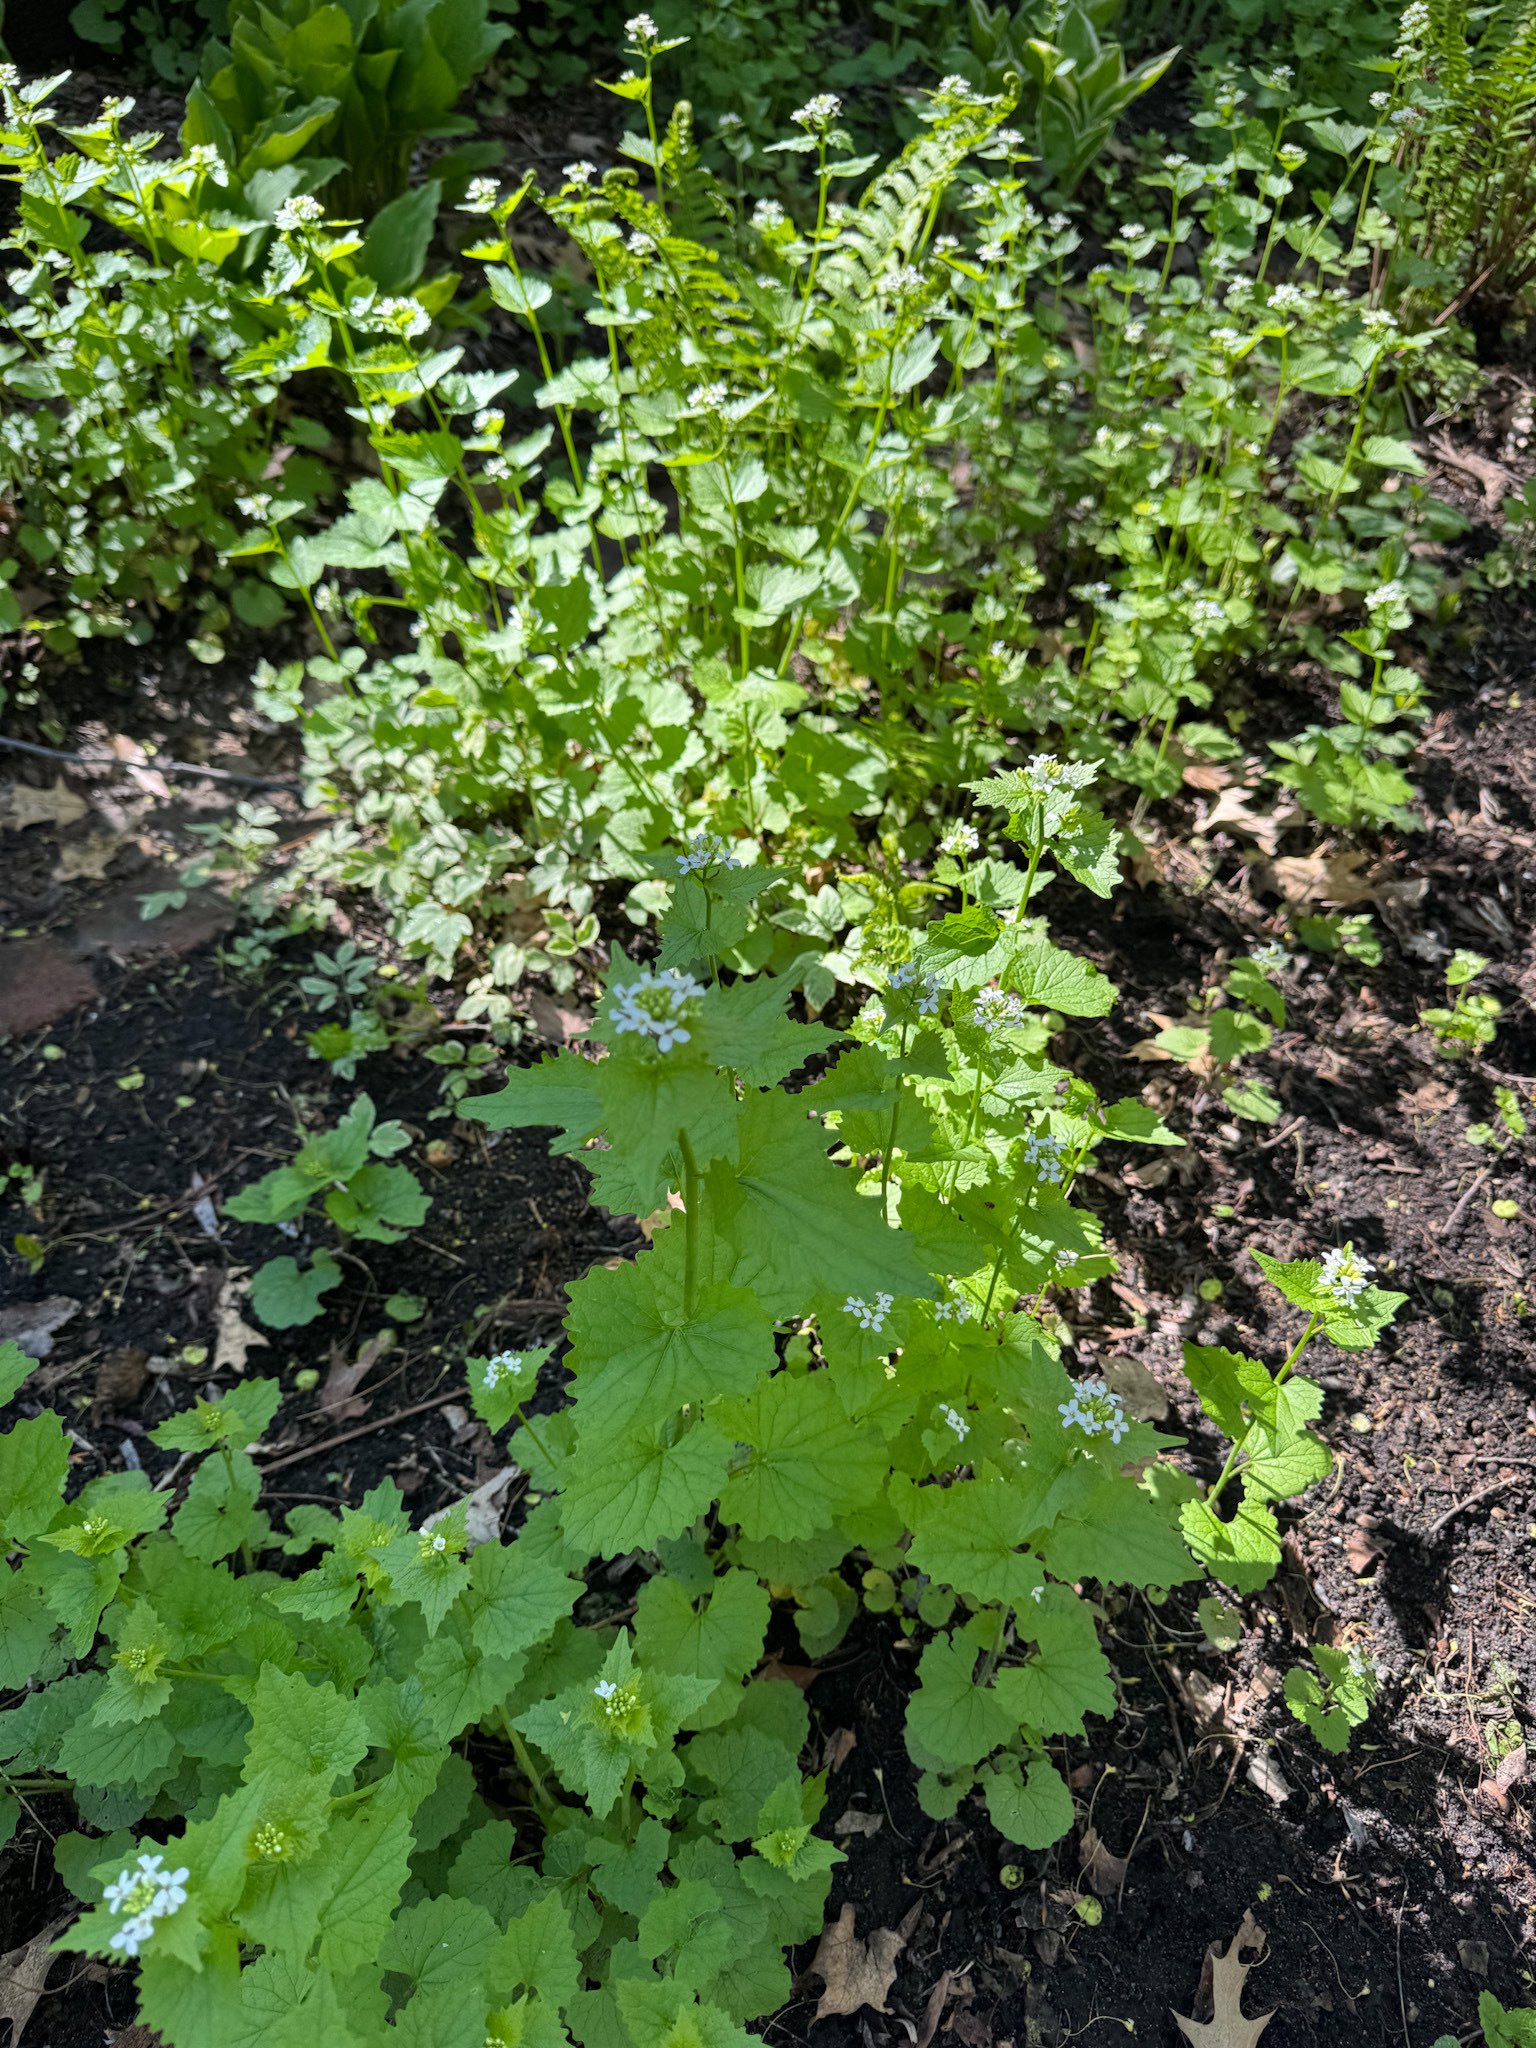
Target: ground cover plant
(916, 628)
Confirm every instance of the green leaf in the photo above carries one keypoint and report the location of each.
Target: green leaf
(667, 2015)
(379, 1203)
(369, 1855)
(642, 1484)
(1503, 2028)
(1052, 979)
(300, 1729)
(969, 1535)
(14, 1367)
(951, 1720)
(808, 1465)
(743, 1027)
(219, 1515)
(1117, 1533)
(1243, 1553)
(515, 1599)
(1033, 1809)
(34, 1465)
(394, 251)
(1090, 852)
(1067, 1676)
(239, 1417)
(720, 1639)
(284, 1297)
(639, 1352)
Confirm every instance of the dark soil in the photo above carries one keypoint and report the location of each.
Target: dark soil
(1391, 1884)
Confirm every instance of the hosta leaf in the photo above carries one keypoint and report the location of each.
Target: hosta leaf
(807, 1464)
(1032, 1808)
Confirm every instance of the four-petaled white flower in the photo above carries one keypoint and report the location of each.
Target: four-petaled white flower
(997, 1009)
(1271, 957)
(706, 849)
(1094, 1410)
(819, 112)
(956, 1421)
(708, 397)
(869, 1315)
(404, 317)
(605, 1689)
(1345, 1274)
(506, 1365)
(991, 252)
(955, 1310)
(640, 29)
(768, 214)
(256, 504)
(960, 840)
(1043, 1153)
(579, 173)
(654, 1005)
(480, 197)
(142, 1893)
(203, 158)
(297, 213)
(1360, 1665)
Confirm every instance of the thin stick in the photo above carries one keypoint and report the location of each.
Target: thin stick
(159, 767)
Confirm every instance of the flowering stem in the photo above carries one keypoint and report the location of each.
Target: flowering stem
(1314, 1324)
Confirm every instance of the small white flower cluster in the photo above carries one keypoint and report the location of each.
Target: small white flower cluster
(490, 419)
(1208, 611)
(1094, 1410)
(480, 197)
(256, 504)
(640, 29)
(145, 1892)
(1378, 320)
(1057, 221)
(640, 243)
(706, 849)
(768, 214)
(907, 975)
(1175, 160)
(1094, 594)
(1381, 100)
(956, 1310)
(997, 1009)
(1133, 231)
(869, 1315)
(819, 112)
(1360, 1665)
(1228, 339)
(299, 212)
(906, 282)
(1385, 596)
(991, 252)
(205, 160)
(1042, 771)
(956, 1421)
(1280, 79)
(708, 397)
(1134, 331)
(496, 469)
(960, 840)
(10, 78)
(1412, 29)
(579, 173)
(1009, 139)
(1043, 1153)
(404, 317)
(655, 1004)
(506, 1365)
(1290, 298)
(1345, 1275)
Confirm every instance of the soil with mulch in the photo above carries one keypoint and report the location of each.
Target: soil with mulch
(1390, 1885)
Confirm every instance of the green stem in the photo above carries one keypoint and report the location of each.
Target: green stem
(690, 1222)
(1313, 1326)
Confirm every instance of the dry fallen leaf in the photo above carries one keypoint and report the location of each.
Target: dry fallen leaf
(1141, 1392)
(1224, 1976)
(235, 1337)
(856, 1973)
(33, 1324)
(1103, 1870)
(120, 1379)
(339, 1398)
(852, 1822)
(841, 1744)
(87, 859)
(482, 1509)
(21, 805)
(24, 1976)
(1315, 878)
(1233, 812)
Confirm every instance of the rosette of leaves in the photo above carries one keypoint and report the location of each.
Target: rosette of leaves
(343, 1171)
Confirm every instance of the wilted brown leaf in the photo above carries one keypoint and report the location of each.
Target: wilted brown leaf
(24, 1976)
(21, 805)
(87, 859)
(1222, 1980)
(856, 1973)
(1317, 878)
(234, 1337)
(1103, 1871)
(339, 1397)
(1140, 1391)
(120, 1380)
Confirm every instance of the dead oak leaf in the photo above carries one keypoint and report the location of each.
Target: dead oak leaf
(856, 1973)
(87, 859)
(24, 1978)
(22, 806)
(235, 1336)
(1224, 1976)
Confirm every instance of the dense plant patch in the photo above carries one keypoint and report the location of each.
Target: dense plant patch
(769, 583)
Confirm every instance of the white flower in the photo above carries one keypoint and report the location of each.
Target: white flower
(654, 1005)
(869, 1315)
(297, 213)
(1360, 1665)
(1134, 330)
(955, 1310)
(605, 1689)
(481, 197)
(997, 1009)
(1057, 221)
(1385, 596)
(1345, 1275)
(145, 1891)
(956, 1421)
(819, 112)
(1094, 1410)
(991, 252)
(1280, 77)
(639, 244)
(1009, 139)
(1043, 1153)
(1271, 957)
(438, 1545)
(728, 123)
(640, 29)
(490, 419)
(1041, 771)
(1133, 231)
(506, 1365)
(1380, 100)
(403, 316)
(1289, 298)
(1227, 339)
(255, 505)
(10, 78)
(1175, 160)
(579, 173)
(768, 214)
(1208, 611)
(706, 849)
(203, 158)
(1378, 320)
(960, 840)
(496, 469)
(906, 281)
(708, 397)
